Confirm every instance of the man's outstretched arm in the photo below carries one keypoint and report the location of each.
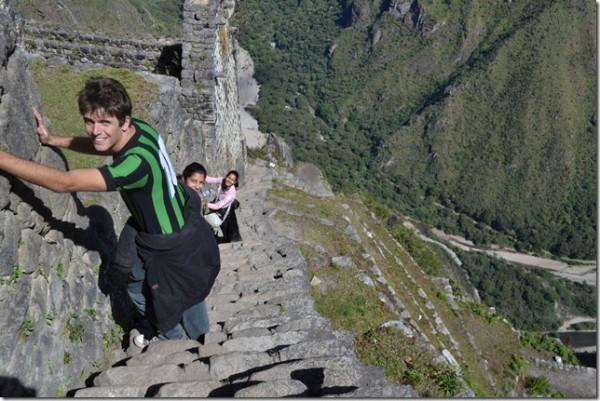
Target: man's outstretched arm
(88, 179)
(81, 144)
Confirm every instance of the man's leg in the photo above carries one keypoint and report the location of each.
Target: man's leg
(135, 287)
(176, 333)
(195, 320)
(137, 291)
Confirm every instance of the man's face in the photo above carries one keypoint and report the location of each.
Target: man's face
(196, 181)
(105, 131)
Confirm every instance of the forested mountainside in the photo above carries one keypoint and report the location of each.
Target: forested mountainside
(437, 107)
(128, 18)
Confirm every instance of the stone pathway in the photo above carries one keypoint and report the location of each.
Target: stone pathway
(266, 339)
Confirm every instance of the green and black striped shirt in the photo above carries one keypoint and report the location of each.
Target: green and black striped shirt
(142, 172)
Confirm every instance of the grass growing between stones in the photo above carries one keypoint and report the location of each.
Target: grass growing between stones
(540, 387)
(17, 272)
(554, 346)
(25, 329)
(347, 302)
(405, 361)
(257, 153)
(74, 330)
(59, 86)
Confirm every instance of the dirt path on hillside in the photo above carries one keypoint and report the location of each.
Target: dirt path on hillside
(580, 273)
(577, 319)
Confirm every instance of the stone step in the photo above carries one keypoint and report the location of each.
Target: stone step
(211, 349)
(341, 371)
(214, 337)
(264, 252)
(162, 348)
(112, 391)
(267, 297)
(246, 309)
(224, 365)
(189, 389)
(314, 322)
(257, 297)
(296, 301)
(250, 287)
(317, 349)
(386, 391)
(241, 324)
(218, 299)
(149, 375)
(265, 343)
(157, 359)
(294, 319)
(275, 388)
(253, 332)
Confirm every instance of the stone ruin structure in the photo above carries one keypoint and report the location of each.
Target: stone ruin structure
(62, 315)
(203, 60)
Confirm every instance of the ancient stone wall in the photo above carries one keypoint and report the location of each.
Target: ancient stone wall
(55, 299)
(209, 82)
(204, 61)
(61, 308)
(98, 48)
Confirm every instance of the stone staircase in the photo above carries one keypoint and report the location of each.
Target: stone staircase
(266, 339)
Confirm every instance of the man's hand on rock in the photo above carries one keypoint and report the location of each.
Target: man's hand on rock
(43, 134)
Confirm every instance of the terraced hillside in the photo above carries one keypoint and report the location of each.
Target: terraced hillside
(365, 281)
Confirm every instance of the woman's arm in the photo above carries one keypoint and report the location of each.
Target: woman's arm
(213, 180)
(228, 197)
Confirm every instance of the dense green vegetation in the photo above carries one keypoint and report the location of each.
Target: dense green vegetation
(540, 342)
(540, 387)
(527, 297)
(486, 109)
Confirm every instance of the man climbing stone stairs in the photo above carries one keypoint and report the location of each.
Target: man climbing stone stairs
(266, 339)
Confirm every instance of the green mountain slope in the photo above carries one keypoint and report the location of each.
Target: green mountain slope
(129, 18)
(514, 146)
(484, 108)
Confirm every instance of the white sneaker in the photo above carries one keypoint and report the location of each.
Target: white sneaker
(140, 341)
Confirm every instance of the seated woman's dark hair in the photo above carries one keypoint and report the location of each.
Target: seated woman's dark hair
(237, 179)
(192, 169)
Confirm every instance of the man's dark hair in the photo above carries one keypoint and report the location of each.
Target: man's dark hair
(106, 94)
(192, 169)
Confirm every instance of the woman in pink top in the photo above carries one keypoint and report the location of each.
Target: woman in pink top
(226, 193)
(226, 196)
